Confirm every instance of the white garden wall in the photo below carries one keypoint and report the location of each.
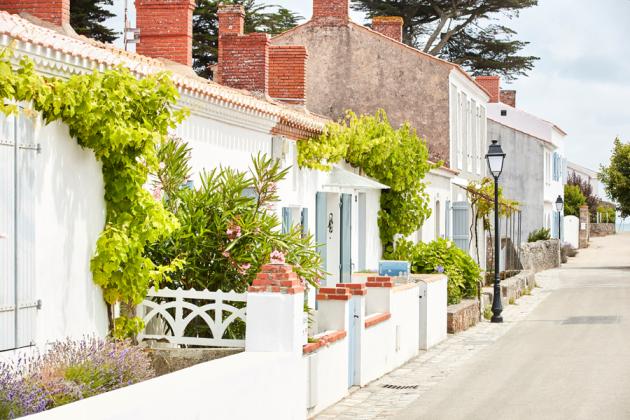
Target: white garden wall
(326, 372)
(240, 387)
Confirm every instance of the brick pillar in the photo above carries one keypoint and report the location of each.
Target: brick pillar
(165, 29)
(584, 226)
(492, 85)
(275, 311)
(508, 97)
(331, 12)
(243, 59)
(390, 26)
(379, 294)
(287, 73)
(56, 12)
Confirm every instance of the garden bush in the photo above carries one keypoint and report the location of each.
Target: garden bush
(229, 227)
(567, 251)
(541, 234)
(442, 256)
(70, 371)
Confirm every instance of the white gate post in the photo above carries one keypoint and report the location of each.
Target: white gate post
(275, 311)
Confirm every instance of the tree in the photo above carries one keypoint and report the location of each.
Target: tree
(258, 18)
(87, 16)
(573, 200)
(461, 31)
(591, 200)
(616, 176)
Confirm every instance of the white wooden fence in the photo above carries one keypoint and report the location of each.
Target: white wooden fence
(167, 313)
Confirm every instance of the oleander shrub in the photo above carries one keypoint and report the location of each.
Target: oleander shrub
(541, 234)
(442, 256)
(69, 371)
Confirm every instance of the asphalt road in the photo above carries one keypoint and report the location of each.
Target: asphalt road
(569, 359)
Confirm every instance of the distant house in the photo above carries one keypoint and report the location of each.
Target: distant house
(588, 175)
(354, 67)
(534, 172)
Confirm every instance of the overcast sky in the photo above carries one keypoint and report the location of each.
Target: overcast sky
(581, 83)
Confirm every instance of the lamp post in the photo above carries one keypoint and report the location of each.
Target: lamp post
(495, 158)
(559, 207)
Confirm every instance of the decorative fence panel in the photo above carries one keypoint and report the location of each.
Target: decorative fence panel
(177, 316)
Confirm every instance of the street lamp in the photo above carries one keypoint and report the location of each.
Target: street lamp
(495, 158)
(559, 207)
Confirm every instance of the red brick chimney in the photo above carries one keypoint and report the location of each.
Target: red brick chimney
(390, 26)
(492, 85)
(331, 12)
(287, 73)
(56, 12)
(165, 29)
(508, 97)
(243, 59)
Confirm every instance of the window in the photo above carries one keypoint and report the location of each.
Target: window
(470, 132)
(437, 220)
(482, 139)
(294, 216)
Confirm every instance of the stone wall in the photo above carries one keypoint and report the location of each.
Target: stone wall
(540, 255)
(602, 229)
(462, 316)
(169, 360)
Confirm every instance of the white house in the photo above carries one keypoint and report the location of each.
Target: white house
(52, 209)
(588, 175)
(535, 165)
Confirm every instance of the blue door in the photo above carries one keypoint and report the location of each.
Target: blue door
(321, 226)
(461, 225)
(353, 317)
(345, 265)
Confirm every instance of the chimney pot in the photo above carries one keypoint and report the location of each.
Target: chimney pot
(331, 12)
(165, 29)
(231, 19)
(491, 84)
(56, 12)
(390, 26)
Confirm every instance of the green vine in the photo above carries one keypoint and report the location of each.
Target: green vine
(396, 157)
(121, 119)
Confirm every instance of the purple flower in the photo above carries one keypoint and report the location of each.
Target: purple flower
(439, 269)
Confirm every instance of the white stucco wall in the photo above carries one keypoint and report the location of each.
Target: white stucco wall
(433, 310)
(239, 387)
(327, 376)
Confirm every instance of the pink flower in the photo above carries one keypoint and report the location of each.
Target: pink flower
(157, 193)
(233, 232)
(243, 268)
(277, 257)
(226, 254)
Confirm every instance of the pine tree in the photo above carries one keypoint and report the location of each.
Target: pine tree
(461, 31)
(87, 16)
(258, 18)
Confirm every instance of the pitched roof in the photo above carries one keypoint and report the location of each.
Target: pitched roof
(454, 66)
(59, 40)
(522, 121)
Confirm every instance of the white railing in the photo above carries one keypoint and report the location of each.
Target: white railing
(167, 313)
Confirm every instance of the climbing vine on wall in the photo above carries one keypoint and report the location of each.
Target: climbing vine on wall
(396, 157)
(121, 119)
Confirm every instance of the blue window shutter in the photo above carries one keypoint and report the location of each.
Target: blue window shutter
(286, 220)
(304, 221)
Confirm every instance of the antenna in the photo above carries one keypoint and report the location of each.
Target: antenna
(130, 35)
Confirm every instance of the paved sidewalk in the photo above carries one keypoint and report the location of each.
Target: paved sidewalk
(431, 367)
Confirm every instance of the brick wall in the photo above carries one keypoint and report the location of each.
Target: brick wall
(244, 62)
(165, 29)
(492, 85)
(390, 26)
(333, 12)
(54, 11)
(287, 73)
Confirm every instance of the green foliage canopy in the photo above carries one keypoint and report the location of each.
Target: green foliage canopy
(573, 200)
(121, 119)
(443, 256)
(228, 228)
(396, 157)
(616, 176)
(87, 17)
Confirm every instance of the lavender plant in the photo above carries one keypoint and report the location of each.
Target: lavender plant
(70, 371)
